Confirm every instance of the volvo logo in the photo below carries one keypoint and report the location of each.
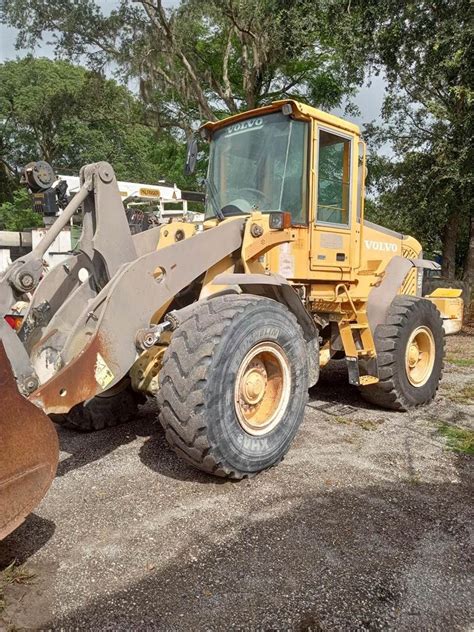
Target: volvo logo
(383, 246)
(244, 126)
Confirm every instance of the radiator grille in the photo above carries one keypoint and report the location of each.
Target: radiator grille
(409, 285)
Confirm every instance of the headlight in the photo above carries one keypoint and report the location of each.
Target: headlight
(280, 221)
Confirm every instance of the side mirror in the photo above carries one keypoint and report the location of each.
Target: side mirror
(191, 157)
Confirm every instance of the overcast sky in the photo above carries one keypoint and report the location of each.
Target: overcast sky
(369, 98)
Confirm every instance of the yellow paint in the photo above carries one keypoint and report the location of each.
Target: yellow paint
(208, 288)
(144, 373)
(445, 292)
(301, 110)
(324, 355)
(448, 307)
(173, 232)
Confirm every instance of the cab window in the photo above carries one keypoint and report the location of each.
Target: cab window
(334, 172)
(260, 163)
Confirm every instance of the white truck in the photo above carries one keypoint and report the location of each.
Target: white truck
(162, 202)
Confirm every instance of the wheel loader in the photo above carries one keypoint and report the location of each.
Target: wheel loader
(226, 323)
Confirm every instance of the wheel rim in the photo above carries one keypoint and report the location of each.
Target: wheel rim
(420, 356)
(262, 388)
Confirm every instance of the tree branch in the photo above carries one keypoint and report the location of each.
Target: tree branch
(158, 17)
(225, 73)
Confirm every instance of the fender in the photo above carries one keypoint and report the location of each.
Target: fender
(381, 297)
(276, 287)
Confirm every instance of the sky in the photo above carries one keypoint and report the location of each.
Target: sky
(369, 98)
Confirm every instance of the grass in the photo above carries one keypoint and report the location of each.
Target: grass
(343, 420)
(462, 362)
(465, 395)
(369, 424)
(365, 424)
(414, 479)
(457, 439)
(13, 574)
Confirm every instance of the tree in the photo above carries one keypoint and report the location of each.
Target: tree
(425, 50)
(69, 116)
(204, 58)
(18, 214)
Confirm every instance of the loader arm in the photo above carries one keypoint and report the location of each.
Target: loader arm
(102, 345)
(105, 244)
(79, 334)
(29, 449)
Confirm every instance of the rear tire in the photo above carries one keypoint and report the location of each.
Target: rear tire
(226, 354)
(102, 411)
(409, 375)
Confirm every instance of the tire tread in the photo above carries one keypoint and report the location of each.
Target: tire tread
(185, 374)
(387, 392)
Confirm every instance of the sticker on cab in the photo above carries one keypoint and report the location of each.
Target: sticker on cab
(286, 263)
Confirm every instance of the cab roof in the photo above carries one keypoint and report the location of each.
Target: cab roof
(301, 110)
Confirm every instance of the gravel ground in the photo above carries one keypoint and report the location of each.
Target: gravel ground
(364, 526)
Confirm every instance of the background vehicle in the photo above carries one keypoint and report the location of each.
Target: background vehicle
(145, 205)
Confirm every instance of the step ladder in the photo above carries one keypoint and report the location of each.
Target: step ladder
(359, 357)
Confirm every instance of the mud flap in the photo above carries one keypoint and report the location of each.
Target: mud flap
(29, 452)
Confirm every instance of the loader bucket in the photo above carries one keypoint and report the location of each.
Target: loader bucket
(29, 452)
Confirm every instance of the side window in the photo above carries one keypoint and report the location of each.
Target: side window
(334, 170)
(294, 195)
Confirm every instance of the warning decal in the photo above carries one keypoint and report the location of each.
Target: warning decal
(103, 375)
(286, 262)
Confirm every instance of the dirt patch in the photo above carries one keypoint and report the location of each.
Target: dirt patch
(13, 579)
(365, 525)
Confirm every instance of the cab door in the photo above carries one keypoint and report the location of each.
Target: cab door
(332, 225)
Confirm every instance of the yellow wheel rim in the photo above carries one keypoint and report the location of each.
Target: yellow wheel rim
(420, 356)
(262, 388)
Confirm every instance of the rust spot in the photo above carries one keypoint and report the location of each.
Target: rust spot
(74, 383)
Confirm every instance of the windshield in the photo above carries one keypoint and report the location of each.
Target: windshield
(259, 163)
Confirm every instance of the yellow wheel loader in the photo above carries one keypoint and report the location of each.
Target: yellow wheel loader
(226, 323)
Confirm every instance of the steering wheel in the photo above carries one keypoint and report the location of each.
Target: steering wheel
(255, 192)
(232, 208)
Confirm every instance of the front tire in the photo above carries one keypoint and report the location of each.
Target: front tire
(410, 352)
(233, 386)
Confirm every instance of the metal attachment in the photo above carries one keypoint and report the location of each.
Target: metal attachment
(256, 230)
(144, 373)
(146, 338)
(353, 370)
(30, 385)
(106, 173)
(27, 281)
(38, 175)
(29, 452)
